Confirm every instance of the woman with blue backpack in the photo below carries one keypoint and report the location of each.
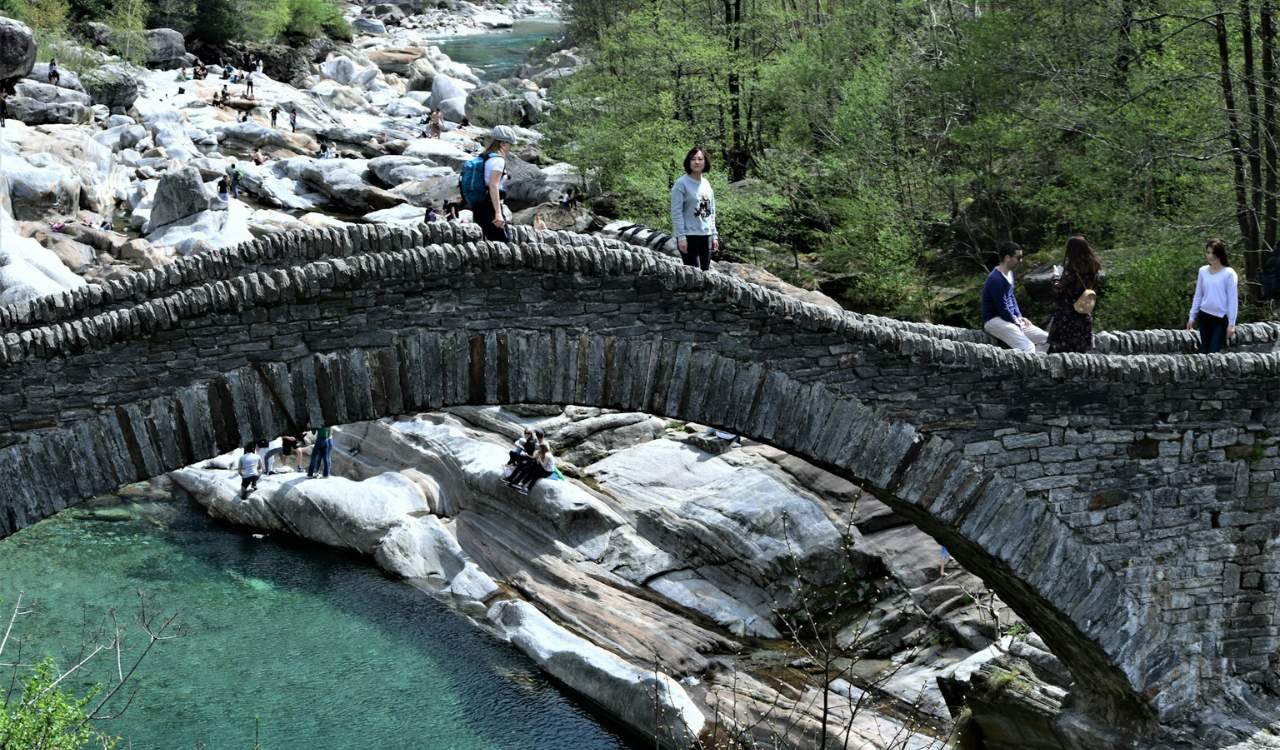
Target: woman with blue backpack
(484, 183)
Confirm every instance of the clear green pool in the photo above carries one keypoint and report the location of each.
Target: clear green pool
(328, 651)
(499, 54)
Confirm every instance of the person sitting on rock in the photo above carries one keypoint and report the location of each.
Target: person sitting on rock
(522, 454)
(250, 470)
(226, 95)
(54, 75)
(527, 474)
(258, 158)
(226, 72)
(437, 123)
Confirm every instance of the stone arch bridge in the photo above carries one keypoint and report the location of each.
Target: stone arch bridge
(1123, 504)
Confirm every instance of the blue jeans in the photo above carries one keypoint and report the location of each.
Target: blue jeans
(1213, 332)
(322, 453)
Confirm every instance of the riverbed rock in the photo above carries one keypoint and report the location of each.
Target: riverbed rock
(113, 85)
(36, 112)
(449, 96)
(166, 49)
(27, 269)
(206, 230)
(366, 25)
(337, 179)
(181, 193)
(333, 511)
(17, 49)
(492, 104)
(41, 187)
(643, 698)
(67, 79)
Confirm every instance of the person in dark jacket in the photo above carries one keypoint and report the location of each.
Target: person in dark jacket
(1001, 316)
(1072, 331)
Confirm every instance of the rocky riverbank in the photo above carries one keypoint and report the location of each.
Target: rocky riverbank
(116, 170)
(690, 586)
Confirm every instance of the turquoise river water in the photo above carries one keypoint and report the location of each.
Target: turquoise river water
(499, 54)
(324, 648)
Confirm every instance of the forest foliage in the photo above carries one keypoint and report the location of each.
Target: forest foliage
(896, 144)
(209, 21)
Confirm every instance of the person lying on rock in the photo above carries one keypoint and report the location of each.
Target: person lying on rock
(250, 468)
(542, 466)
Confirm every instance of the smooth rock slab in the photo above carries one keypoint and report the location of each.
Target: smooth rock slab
(645, 699)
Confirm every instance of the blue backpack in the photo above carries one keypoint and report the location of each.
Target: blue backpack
(472, 181)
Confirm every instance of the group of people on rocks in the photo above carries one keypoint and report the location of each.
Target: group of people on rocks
(259, 456)
(530, 461)
(1214, 308)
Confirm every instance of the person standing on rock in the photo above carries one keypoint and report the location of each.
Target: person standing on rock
(1072, 327)
(484, 183)
(275, 112)
(293, 119)
(1001, 316)
(250, 470)
(234, 175)
(321, 453)
(1217, 302)
(693, 211)
(248, 84)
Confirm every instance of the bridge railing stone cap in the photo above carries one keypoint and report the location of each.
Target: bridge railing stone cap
(169, 289)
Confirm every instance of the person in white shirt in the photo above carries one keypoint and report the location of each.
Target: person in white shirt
(250, 464)
(693, 211)
(1216, 303)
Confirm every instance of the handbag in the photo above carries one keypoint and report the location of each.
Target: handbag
(1086, 301)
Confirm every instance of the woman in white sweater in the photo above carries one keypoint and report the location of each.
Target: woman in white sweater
(693, 211)
(1217, 301)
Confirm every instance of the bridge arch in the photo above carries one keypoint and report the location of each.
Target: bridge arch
(130, 385)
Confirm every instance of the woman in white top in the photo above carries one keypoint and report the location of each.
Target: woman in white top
(693, 211)
(1216, 302)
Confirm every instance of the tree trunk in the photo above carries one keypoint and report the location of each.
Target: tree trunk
(1243, 210)
(1253, 261)
(1255, 177)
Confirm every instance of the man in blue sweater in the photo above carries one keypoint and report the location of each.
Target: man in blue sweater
(1000, 314)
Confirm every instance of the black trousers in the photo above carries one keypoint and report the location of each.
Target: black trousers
(1213, 332)
(482, 214)
(699, 252)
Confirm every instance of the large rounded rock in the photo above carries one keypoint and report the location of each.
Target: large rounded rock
(67, 79)
(448, 96)
(167, 49)
(113, 86)
(419, 75)
(492, 104)
(36, 112)
(41, 188)
(43, 92)
(17, 49)
(180, 194)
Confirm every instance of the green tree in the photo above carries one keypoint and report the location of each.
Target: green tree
(47, 716)
(128, 21)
